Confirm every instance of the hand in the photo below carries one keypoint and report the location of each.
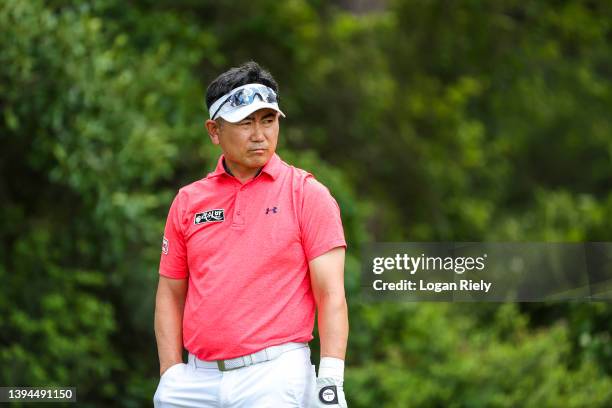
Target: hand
(329, 393)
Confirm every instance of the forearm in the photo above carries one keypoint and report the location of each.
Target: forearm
(333, 325)
(169, 328)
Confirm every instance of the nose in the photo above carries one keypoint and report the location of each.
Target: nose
(258, 134)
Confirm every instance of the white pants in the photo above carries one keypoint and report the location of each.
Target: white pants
(287, 381)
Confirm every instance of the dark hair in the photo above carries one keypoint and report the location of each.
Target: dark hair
(249, 72)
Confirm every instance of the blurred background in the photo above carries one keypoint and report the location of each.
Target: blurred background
(433, 120)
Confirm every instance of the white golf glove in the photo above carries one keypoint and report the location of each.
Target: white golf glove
(329, 392)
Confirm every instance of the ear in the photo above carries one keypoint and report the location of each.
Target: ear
(213, 130)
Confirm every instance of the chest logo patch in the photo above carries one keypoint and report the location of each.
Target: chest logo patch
(217, 215)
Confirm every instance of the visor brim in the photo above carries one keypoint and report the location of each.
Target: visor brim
(237, 115)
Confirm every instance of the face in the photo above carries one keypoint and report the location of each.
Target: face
(248, 144)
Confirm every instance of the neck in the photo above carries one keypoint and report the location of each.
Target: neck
(242, 174)
(244, 177)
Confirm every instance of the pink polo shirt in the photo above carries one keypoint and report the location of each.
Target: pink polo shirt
(245, 249)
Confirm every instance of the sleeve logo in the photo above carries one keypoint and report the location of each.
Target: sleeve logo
(217, 215)
(165, 245)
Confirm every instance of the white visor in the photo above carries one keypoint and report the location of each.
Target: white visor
(224, 108)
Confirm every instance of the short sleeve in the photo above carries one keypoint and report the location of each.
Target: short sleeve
(173, 263)
(321, 225)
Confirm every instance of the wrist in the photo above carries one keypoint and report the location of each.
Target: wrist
(167, 364)
(331, 367)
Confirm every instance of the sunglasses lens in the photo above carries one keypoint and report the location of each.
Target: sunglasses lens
(240, 98)
(246, 96)
(271, 98)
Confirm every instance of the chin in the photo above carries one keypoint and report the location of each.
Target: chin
(261, 159)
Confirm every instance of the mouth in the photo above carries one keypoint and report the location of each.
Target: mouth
(258, 150)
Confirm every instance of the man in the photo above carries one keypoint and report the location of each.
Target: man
(247, 254)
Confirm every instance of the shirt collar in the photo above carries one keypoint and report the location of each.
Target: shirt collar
(271, 168)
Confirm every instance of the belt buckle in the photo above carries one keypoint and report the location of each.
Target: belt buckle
(222, 367)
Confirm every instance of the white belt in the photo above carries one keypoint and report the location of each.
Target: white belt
(267, 354)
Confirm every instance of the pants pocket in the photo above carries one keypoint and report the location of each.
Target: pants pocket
(164, 389)
(171, 369)
(303, 385)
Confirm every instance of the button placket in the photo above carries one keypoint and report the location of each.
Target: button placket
(238, 219)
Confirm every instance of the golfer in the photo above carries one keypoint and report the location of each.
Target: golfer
(248, 253)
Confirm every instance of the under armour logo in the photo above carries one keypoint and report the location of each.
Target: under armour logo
(272, 210)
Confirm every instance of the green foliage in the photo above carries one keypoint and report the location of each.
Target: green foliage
(429, 120)
(91, 128)
(436, 355)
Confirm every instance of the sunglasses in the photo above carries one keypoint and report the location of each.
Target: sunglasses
(246, 96)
